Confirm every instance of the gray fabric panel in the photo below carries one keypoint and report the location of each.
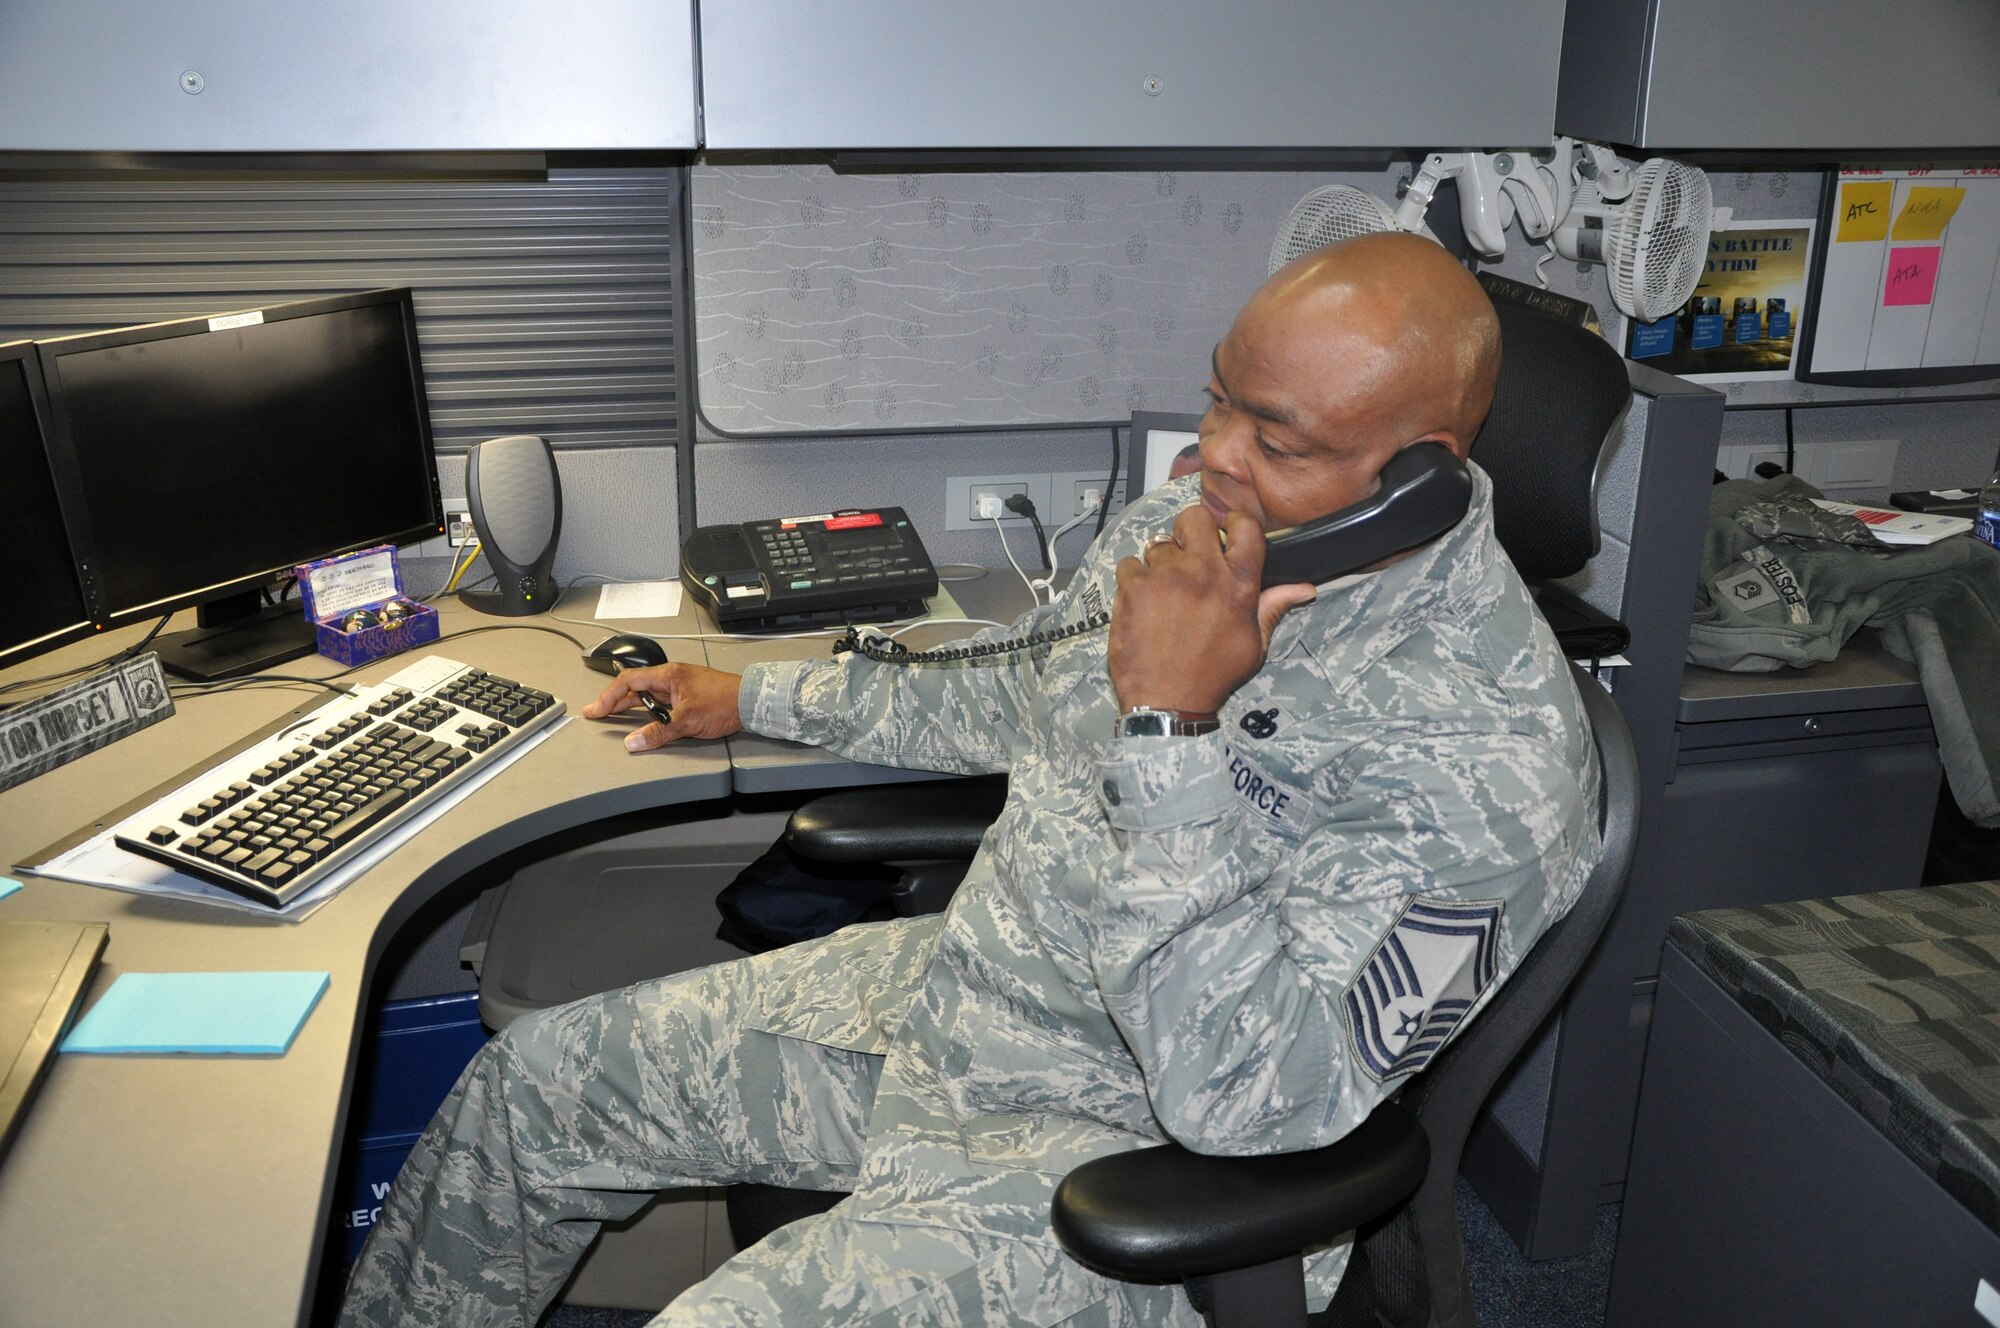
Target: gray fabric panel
(849, 302)
(621, 518)
(544, 305)
(1891, 998)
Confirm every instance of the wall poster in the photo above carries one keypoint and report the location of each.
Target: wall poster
(1740, 323)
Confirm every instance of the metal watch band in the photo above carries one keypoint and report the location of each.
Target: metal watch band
(1146, 722)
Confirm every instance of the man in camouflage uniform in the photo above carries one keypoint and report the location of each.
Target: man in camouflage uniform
(1241, 937)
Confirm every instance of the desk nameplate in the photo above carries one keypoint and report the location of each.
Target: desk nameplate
(54, 730)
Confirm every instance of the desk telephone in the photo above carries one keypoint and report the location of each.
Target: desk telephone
(1423, 491)
(801, 572)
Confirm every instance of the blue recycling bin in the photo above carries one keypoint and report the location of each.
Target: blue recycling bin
(413, 1054)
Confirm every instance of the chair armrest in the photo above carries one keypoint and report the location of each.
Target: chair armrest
(1167, 1214)
(897, 822)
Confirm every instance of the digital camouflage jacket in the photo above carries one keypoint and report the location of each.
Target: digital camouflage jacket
(1241, 941)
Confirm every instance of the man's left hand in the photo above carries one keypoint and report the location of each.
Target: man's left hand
(1190, 624)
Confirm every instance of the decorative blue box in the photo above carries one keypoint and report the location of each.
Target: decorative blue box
(357, 605)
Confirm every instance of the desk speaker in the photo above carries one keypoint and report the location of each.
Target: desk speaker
(515, 498)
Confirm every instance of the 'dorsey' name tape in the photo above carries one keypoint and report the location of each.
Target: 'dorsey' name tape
(40, 735)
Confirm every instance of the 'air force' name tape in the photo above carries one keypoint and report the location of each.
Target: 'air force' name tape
(1284, 806)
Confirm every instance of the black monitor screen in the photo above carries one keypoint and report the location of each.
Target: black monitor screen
(43, 606)
(208, 455)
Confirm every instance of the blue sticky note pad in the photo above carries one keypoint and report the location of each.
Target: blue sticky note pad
(255, 1014)
(8, 885)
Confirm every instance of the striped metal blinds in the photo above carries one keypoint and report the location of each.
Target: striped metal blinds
(546, 304)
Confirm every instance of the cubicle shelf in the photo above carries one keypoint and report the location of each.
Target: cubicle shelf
(1769, 75)
(345, 76)
(1128, 73)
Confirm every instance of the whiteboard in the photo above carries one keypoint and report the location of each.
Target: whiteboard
(1907, 279)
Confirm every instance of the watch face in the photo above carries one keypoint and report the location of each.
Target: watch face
(1145, 724)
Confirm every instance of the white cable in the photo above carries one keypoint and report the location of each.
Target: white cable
(1055, 554)
(1034, 592)
(1541, 278)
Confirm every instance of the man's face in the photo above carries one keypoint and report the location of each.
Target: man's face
(1292, 432)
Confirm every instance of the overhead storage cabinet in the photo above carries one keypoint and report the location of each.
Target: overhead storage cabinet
(1128, 73)
(1840, 75)
(345, 76)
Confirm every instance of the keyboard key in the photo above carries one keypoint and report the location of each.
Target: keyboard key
(367, 815)
(163, 834)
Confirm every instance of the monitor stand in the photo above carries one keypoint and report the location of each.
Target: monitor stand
(235, 636)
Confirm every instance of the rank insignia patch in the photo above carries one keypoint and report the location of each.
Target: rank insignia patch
(1417, 987)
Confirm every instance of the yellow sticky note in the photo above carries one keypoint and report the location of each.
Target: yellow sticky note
(1864, 211)
(1927, 211)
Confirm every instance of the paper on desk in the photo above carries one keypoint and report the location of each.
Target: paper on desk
(639, 599)
(8, 885)
(99, 861)
(255, 1014)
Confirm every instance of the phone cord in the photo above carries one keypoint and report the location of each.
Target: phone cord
(885, 650)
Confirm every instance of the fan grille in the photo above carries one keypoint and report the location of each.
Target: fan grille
(1656, 245)
(1328, 215)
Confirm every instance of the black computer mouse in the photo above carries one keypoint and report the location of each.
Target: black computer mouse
(615, 654)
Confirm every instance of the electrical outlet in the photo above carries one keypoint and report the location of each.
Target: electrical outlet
(458, 529)
(1066, 490)
(458, 532)
(963, 492)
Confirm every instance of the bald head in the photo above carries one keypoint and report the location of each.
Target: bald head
(1341, 359)
(1414, 330)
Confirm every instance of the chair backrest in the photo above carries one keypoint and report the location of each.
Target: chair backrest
(1417, 1259)
(1561, 388)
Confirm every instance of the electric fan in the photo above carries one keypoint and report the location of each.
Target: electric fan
(1330, 214)
(1653, 243)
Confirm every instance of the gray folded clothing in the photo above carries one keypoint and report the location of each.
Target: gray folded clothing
(1784, 582)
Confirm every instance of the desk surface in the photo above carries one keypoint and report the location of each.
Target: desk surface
(195, 1190)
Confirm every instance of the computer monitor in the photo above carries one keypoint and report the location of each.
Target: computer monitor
(44, 605)
(200, 459)
(1163, 447)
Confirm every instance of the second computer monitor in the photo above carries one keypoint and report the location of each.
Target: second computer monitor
(44, 605)
(204, 457)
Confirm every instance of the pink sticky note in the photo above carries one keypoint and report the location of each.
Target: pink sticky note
(1912, 275)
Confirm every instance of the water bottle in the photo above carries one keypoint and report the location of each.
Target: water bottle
(1988, 525)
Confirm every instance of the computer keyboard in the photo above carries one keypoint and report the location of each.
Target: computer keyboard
(274, 821)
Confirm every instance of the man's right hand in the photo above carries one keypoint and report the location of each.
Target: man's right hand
(703, 702)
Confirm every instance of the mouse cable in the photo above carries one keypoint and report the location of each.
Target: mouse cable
(183, 690)
(503, 627)
(888, 650)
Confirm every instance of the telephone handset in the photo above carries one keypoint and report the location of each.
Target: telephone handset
(1424, 491)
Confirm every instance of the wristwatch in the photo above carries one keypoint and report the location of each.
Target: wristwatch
(1146, 722)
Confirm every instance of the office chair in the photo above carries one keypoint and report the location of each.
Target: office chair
(1561, 389)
